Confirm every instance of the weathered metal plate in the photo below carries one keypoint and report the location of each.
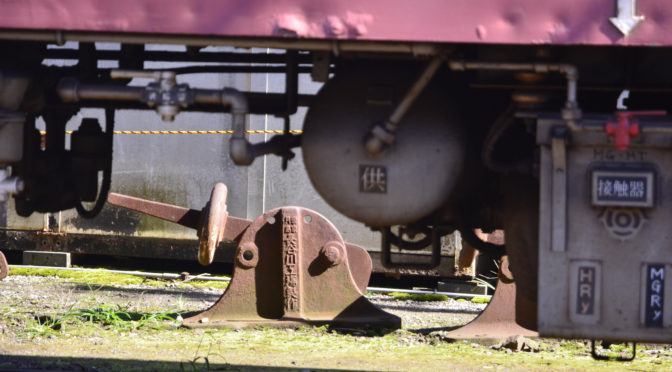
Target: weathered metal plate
(508, 314)
(609, 280)
(515, 21)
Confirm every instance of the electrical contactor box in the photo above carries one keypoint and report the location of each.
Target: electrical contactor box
(605, 232)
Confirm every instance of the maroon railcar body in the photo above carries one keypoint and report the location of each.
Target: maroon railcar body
(434, 21)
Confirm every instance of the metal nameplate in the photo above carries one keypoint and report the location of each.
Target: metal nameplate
(373, 179)
(622, 188)
(654, 299)
(585, 278)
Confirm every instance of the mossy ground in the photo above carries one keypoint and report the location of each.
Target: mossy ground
(149, 339)
(105, 278)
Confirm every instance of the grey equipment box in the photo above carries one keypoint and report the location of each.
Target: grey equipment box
(605, 233)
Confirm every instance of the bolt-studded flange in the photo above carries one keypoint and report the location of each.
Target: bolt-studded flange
(292, 268)
(4, 267)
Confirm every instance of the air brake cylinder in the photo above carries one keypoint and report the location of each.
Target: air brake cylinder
(604, 236)
(411, 176)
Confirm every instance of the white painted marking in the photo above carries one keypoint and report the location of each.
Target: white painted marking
(625, 94)
(626, 19)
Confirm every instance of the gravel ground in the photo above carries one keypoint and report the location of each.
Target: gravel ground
(429, 314)
(26, 298)
(166, 347)
(50, 294)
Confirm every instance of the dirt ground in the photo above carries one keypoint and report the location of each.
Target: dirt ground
(75, 324)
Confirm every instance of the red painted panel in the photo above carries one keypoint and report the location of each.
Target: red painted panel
(486, 21)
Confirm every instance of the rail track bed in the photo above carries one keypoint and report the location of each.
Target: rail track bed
(111, 322)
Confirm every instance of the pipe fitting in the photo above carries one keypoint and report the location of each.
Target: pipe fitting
(9, 185)
(570, 113)
(240, 151)
(235, 99)
(67, 89)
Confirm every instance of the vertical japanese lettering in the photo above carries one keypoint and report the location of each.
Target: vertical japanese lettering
(290, 270)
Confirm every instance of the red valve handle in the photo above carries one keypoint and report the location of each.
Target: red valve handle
(622, 130)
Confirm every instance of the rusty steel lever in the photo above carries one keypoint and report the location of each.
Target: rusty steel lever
(213, 223)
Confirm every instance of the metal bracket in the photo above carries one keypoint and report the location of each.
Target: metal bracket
(386, 250)
(321, 63)
(559, 189)
(51, 241)
(293, 268)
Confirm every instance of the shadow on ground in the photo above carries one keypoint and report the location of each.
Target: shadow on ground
(40, 363)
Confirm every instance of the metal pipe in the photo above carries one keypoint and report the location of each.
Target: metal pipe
(231, 69)
(385, 135)
(71, 90)
(414, 92)
(217, 279)
(9, 185)
(570, 113)
(60, 37)
(160, 56)
(656, 129)
(240, 149)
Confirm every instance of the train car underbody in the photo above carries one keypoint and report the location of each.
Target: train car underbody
(549, 123)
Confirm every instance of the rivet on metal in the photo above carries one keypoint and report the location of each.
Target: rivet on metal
(333, 252)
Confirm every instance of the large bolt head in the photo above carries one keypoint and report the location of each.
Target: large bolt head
(333, 252)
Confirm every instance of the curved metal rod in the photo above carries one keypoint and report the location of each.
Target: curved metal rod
(482, 247)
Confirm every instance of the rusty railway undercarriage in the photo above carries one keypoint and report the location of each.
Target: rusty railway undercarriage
(464, 137)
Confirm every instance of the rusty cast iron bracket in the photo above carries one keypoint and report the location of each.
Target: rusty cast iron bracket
(291, 266)
(507, 314)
